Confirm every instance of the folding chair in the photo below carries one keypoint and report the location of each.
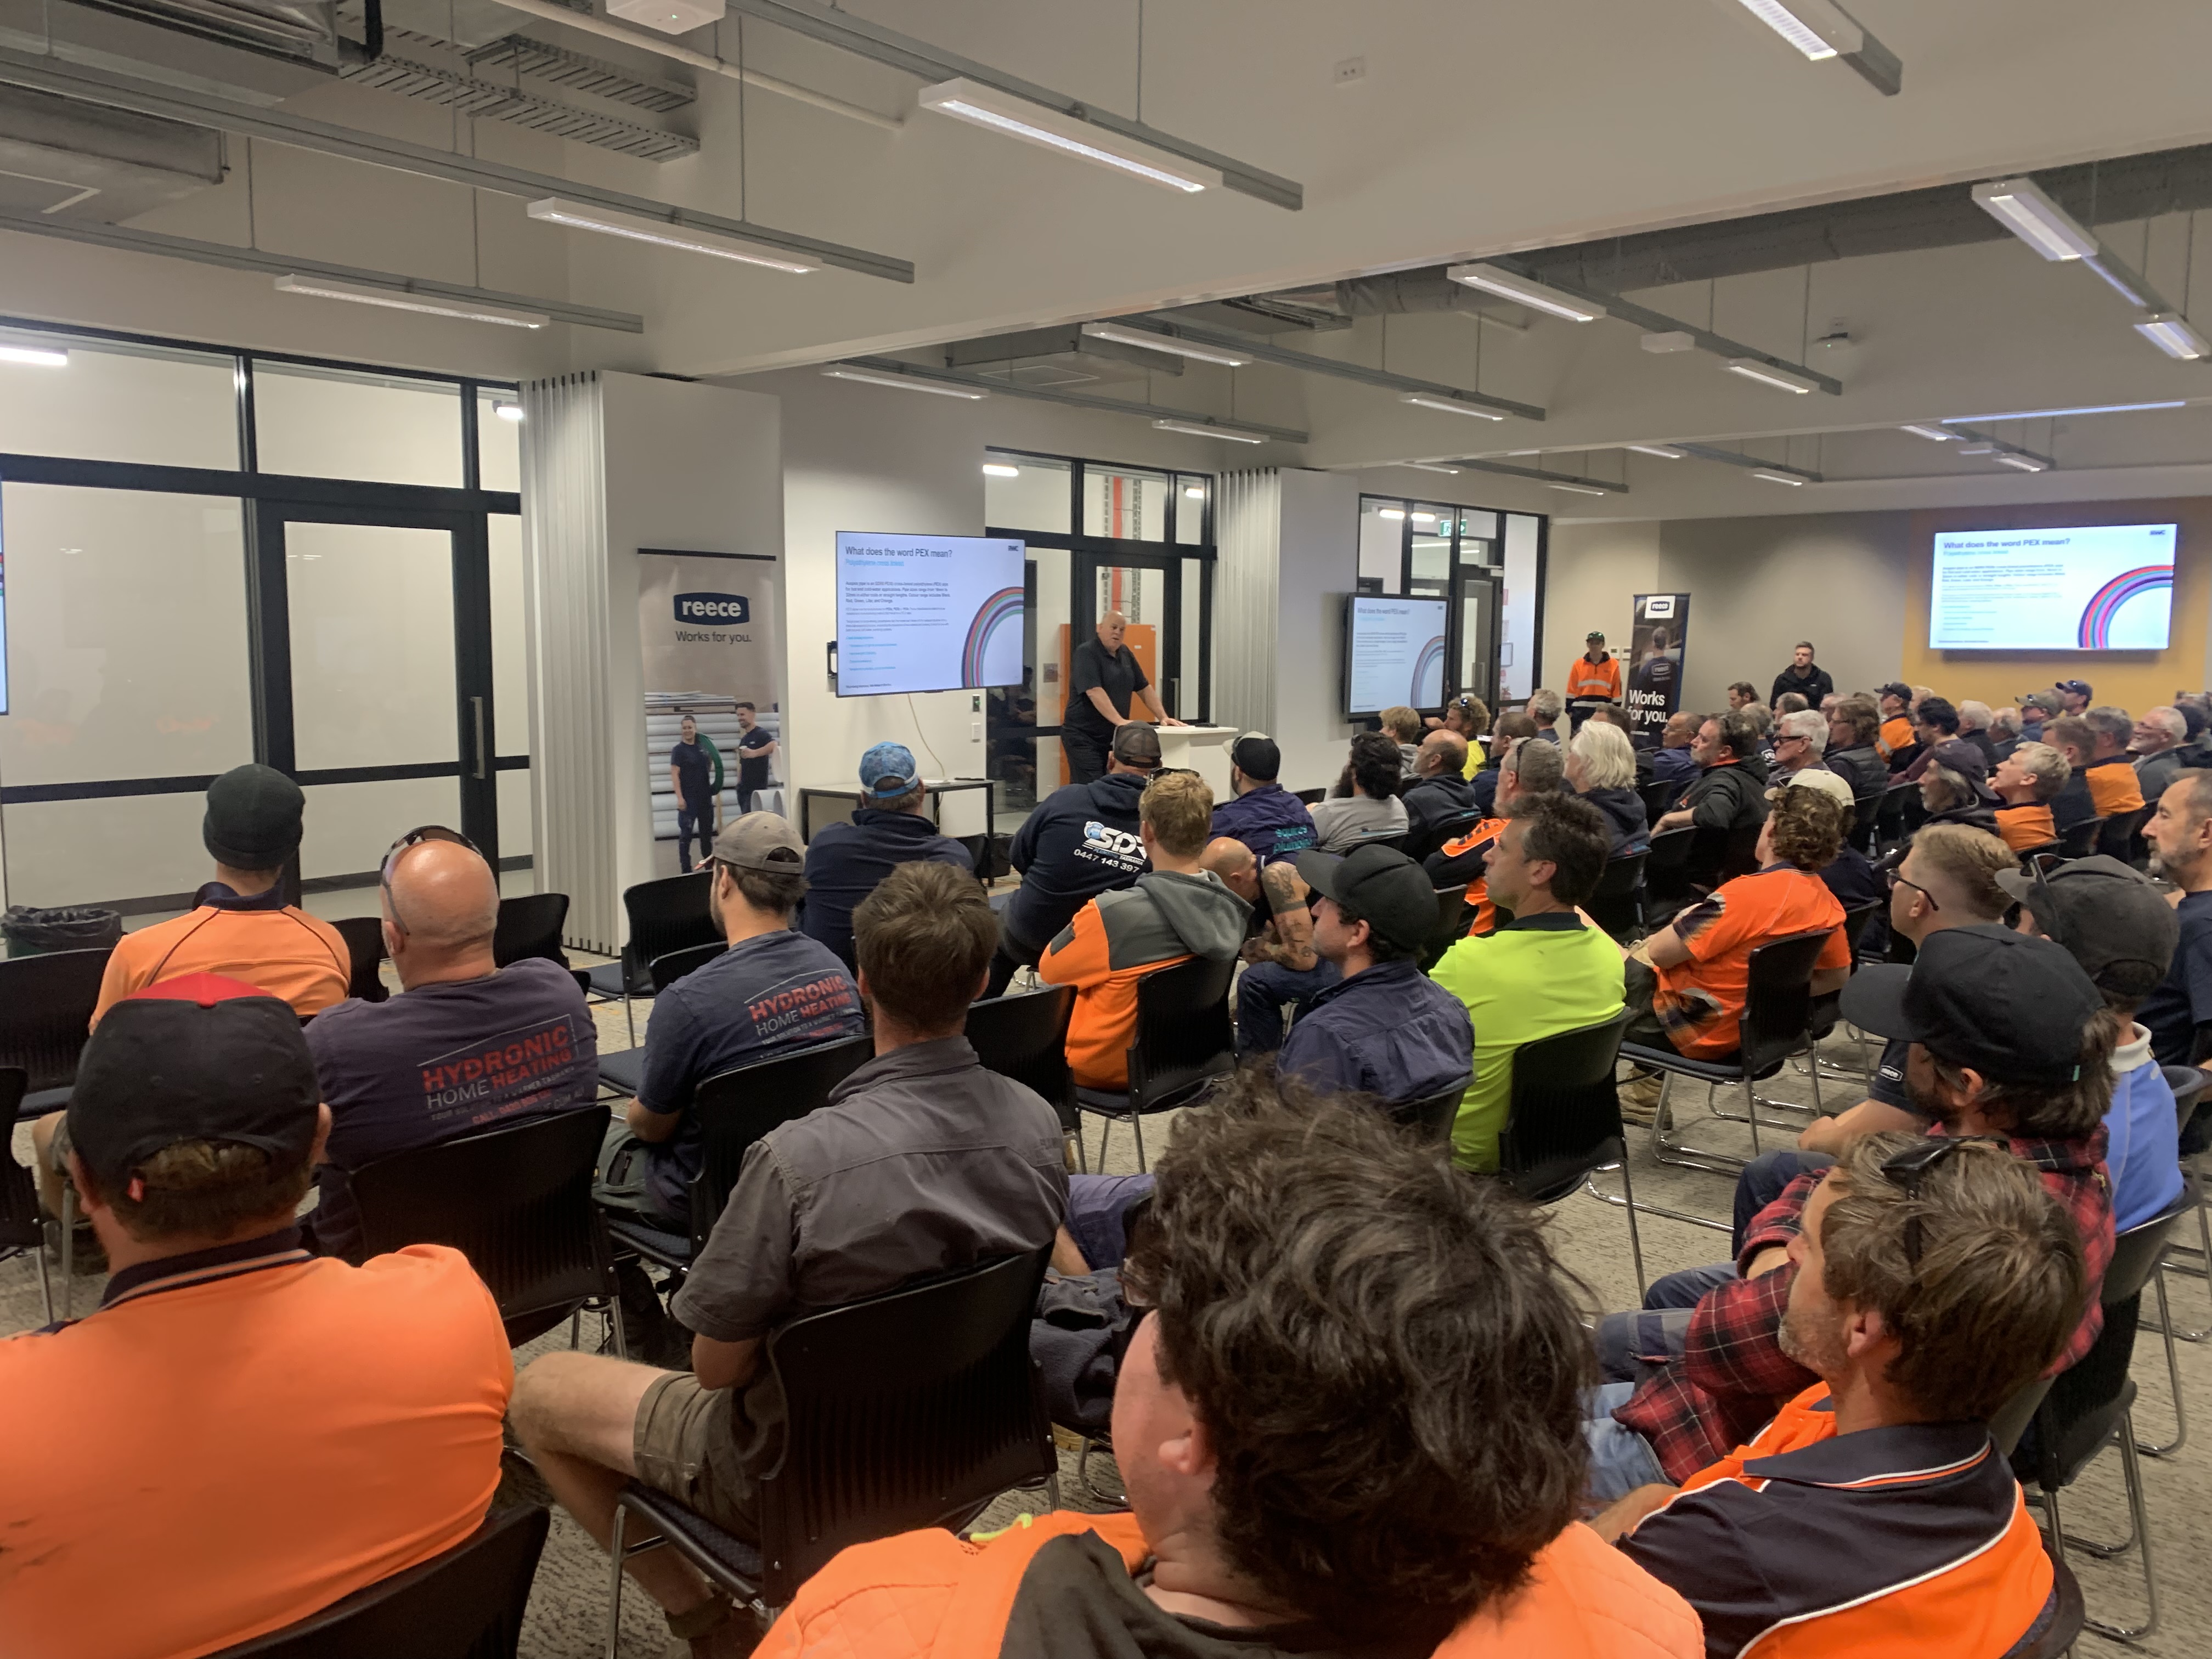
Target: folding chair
(1025, 1037)
(2081, 839)
(2116, 834)
(1563, 1121)
(624, 1071)
(364, 938)
(1617, 905)
(1660, 797)
(46, 1015)
(1666, 865)
(20, 1231)
(1451, 916)
(1430, 1117)
(1183, 1040)
(1866, 809)
(666, 914)
(871, 1448)
(529, 926)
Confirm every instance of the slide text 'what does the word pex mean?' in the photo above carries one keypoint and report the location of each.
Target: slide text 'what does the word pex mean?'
(2102, 587)
(927, 613)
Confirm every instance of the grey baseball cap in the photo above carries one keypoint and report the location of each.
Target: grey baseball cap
(761, 841)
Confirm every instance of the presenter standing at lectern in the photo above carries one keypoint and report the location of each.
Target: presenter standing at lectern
(1103, 682)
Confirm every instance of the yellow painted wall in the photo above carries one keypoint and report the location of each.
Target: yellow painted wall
(2135, 680)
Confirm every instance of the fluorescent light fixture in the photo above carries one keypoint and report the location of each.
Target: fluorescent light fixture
(1776, 477)
(1199, 430)
(2024, 463)
(1935, 435)
(1985, 447)
(1664, 451)
(36, 356)
(2022, 207)
(904, 382)
(1173, 347)
(1577, 490)
(995, 470)
(2054, 414)
(1034, 124)
(2169, 331)
(1663, 341)
(1449, 405)
(1524, 452)
(1767, 374)
(1425, 466)
(1550, 300)
(1191, 492)
(1392, 512)
(508, 411)
(1424, 518)
(325, 288)
(638, 228)
(1817, 29)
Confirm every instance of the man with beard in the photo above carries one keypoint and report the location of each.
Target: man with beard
(2179, 1011)
(1935, 1278)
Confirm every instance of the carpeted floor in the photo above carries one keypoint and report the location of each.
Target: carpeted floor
(567, 1607)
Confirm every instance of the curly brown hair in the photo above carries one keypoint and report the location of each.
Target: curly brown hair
(1386, 1356)
(1808, 827)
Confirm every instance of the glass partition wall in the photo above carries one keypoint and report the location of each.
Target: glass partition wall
(1102, 537)
(1461, 554)
(212, 558)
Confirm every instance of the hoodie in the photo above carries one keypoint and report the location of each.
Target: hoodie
(1119, 937)
(1729, 794)
(1431, 803)
(1081, 841)
(1626, 825)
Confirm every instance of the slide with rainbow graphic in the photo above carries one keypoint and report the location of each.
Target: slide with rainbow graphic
(2096, 587)
(927, 613)
(1395, 653)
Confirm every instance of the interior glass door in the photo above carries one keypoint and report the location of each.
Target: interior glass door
(1477, 619)
(377, 693)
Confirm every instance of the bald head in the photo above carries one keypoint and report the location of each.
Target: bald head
(1442, 754)
(1234, 863)
(1111, 627)
(440, 910)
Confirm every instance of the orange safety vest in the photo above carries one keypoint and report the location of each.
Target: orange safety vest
(1595, 679)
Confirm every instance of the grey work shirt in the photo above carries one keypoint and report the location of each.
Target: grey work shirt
(922, 1163)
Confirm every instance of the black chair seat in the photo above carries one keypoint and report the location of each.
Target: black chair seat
(1103, 1100)
(624, 1069)
(605, 979)
(1705, 1071)
(40, 1102)
(740, 1560)
(669, 1249)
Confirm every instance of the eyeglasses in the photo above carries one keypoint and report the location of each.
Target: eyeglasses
(1908, 1168)
(415, 838)
(1897, 879)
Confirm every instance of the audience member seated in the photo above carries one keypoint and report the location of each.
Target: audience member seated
(1800, 739)
(2156, 746)
(2028, 780)
(1602, 770)
(241, 1434)
(1547, 970)
(1730, 791)
(1545, 707)
(239, 926)
(1080, 841)
(1687, 982)
(1934, 1279)
(1974, 727)
(2004, 735)
(2111, 772)
(1953, 788)
(2119, 927)
(1935, 722)
(1382, 1028)
(2036, 709)
(2009, 1038)
(1789, 702)
(1901, 748)
(2179, 1011)
(922, 1164)
(1281, 966)
(2074, 696)
(1266, 817)
(847, 859)
(1742, 693)
(1531, 769)
(2196, 749)
(1439, 791)
(1402, 726)
(1849, 875)
(466, 1047)
(1178, 910)
(1364, 805)
(1673, 762)
(1467, 717)
(1762, 721)
(772, 990)
(1386, 1467)
(1512, 728)
(2075, 802)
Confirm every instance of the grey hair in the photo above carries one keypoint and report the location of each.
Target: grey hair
(2004, 723)
(1608, 758)
(1974, 716)
(2169, 720)
(1760, 716)
(1536, 766)
(1546, 705)
(2045, 765)
(1955, 785)
(1807, 724)
(2108, 721)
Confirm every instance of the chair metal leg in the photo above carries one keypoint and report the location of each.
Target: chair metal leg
(615, 1585)
(1105, 1128)
(575, 1327)
(2173, 1375)
(1635, 1242)
(1137, 1123)
(615, 1326)
(68, 1247)
(1750, 1110)
(2139, 1518)
(629, 1018)
(1621, 1201)
(1813, 1050)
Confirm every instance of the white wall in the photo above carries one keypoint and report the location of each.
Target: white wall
(1319, 566)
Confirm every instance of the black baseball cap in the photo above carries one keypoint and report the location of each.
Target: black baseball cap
(200, 1057)
(2107, 916)
(2078, 688)
(1136, 744)
(1897, 689)
(1257, 756)
(253, 818)
(1594, 633)
(1385, 886)
(2010, 1007)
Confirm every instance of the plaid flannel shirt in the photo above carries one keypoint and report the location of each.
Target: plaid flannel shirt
(1732, 1376)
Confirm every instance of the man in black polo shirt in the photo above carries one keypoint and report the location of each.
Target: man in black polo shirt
(923, 1163)
(1102, 681)
(756, 751)
(689, 770)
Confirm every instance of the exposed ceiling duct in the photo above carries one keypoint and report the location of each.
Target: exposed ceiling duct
(302, 31)
(63, 159)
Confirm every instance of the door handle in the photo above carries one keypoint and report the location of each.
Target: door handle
(476, 705)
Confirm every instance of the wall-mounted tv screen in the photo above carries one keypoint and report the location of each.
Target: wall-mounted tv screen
(927, 613)
(2090, 588)
(1394, 653)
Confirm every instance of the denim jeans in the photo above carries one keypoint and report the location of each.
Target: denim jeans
(1621, 1460)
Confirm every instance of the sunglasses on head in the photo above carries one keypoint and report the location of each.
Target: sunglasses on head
(415, 838)
(1908, 1168)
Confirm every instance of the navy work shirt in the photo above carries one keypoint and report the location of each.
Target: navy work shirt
(844, 862)
(1391, 1032)
(689, 760)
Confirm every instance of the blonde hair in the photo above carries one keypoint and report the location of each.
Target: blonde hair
(2046, 766)
(1402, 723)
(1608, 758)
(1180, 809)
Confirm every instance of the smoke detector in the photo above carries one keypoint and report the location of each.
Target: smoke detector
(667, 16)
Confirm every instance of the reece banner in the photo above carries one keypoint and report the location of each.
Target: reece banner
(707, 640)
(1655, 637)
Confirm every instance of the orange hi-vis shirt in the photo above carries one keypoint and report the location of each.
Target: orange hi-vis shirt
(1595, 679)
(237, 1438)
(1896, 733)
(1059, 1586)
(1909, 1541)
(2029, 825)
(1463, 858)
(2113, 786)
(1701, 1001)
(261, 940)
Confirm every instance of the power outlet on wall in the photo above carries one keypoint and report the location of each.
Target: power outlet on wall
(974, 731)
(1348, 71)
